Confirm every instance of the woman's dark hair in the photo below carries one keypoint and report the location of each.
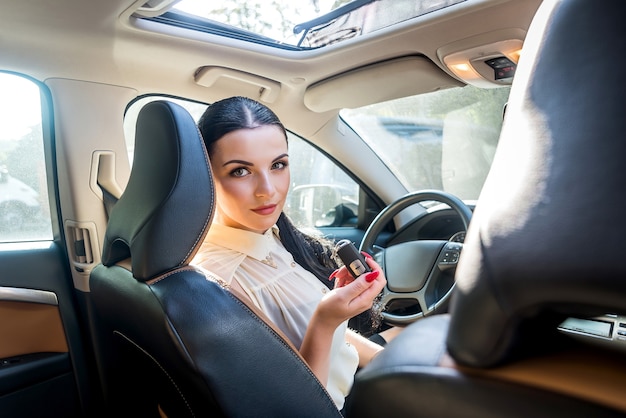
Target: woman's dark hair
(234, 113)
(227, 115)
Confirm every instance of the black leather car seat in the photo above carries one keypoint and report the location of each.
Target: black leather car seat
(169, 339)
(543, 245)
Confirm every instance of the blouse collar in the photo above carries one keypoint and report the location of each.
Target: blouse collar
(252, 244)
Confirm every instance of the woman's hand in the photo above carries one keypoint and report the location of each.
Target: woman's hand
(343, 277)
(351, 296)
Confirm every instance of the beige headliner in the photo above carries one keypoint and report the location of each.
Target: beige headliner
(100, 41)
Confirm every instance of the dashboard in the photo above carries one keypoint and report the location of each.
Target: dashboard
(607, 330)
(440, 224)
(458, 237)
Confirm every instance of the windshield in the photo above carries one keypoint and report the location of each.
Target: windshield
(443, 140)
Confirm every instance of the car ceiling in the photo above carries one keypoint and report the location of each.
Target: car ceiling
(101, 42)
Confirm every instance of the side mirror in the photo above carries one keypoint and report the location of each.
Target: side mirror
(320, 205)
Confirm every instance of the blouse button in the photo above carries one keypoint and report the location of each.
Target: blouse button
(293, 264)
(324, 290)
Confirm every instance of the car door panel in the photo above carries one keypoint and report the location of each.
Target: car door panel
(40, 343)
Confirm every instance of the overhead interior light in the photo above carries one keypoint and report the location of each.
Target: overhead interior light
(463, 70)
(514, 55)
(475, 65)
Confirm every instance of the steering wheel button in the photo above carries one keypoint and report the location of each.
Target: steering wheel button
(450, 257)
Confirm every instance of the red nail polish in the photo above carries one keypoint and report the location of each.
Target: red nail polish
(366, 255)
(333, 274)
(371, 276)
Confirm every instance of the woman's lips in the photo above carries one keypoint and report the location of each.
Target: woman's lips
(265, 210)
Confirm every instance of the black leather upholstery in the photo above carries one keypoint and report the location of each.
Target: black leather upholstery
(165, 337)
(542, 245)
(168, 203)
(551, 208)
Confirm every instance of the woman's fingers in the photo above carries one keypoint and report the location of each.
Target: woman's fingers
(372, 275)
(360, 294)
(342, 277)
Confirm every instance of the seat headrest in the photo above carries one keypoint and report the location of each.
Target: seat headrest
(544, 242)
(166, 209)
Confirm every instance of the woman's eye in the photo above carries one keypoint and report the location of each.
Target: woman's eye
(278, 165)
(239, 172)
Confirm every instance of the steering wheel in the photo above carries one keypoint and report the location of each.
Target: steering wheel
(419, 273)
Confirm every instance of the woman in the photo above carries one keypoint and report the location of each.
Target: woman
(254, 247)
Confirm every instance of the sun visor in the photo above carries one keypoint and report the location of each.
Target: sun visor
(393, 79)
(245, 84)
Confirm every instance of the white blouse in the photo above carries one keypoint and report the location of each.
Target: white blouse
(287, 293)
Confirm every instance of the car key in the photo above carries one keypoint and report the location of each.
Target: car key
(351, 258)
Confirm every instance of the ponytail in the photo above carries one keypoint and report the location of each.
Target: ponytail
(314, 254)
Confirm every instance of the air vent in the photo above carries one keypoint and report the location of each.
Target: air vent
(82, 245)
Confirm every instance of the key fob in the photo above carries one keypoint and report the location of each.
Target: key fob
(351, 258)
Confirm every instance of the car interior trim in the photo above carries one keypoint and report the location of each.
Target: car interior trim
(571, 372)
(16, 294)
(28, 327)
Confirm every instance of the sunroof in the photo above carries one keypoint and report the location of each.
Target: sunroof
(304, 24)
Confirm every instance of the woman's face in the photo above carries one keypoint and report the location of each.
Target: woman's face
(251, 172)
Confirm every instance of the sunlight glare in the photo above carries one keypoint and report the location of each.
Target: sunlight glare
(20, 107)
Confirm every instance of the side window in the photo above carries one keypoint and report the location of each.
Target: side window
(321, 194)
(24, 204)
